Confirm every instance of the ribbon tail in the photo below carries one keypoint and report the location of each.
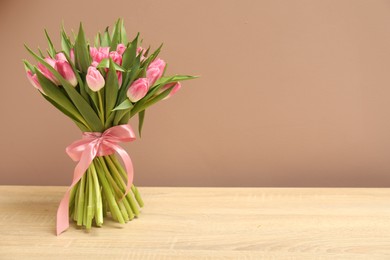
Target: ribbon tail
(79, 171)
(63, 214)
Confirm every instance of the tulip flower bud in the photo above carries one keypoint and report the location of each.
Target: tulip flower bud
(45, 71)
(52, 62)
(142, 51)
(61, 56)
(116, 57)
(138, 89)
(33, 78)
(155, 71)
(66, 71)
(99, 54)
(92, 52)
(95, 80)
(71, 54)
(104, 50)
(175, 87)
(121, 48)
(119, 75)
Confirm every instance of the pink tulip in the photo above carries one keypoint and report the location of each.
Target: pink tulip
(116, 57)
(155, 71)
(99, 54)
(33, 78)
(119, 74)
(61, 56)
(121, 48)
(138, 89)
(175, 87)
(93, 51)
(142, 51)
(104, 50)
(71, 54)
(95, 80)
(66, 71)
(52, 62)
(45, 71)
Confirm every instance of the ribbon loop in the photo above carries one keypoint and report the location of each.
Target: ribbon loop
(91, 145)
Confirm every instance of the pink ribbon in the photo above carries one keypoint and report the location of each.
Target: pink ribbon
(85, 150)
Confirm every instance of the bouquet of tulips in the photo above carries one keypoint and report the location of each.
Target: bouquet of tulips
(100, 86)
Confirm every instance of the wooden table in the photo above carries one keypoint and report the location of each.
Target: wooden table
(206, 223)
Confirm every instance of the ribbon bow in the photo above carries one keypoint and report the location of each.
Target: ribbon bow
(95, 144)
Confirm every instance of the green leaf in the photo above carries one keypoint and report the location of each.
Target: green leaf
(141, 117)
(124, 105)
(130, 54)
(93, 99)
(165, 69)
(28, 66)
(159, 84)
(151, 98)
(152, 57)
(81, 104)
(147, 51)
(121, 117)
(82, 86)
(84, 107)
(51, 51)
(105, 40)
(123, 34)
(56, 95)
(132, 62)
(67, 113)
(81, 51)
(97, 40)
(65, 42)
(137, 108)
(127, 79)
(109, 120)
(116, 35)
(148, 60)
(125, 119)
(65, 45)
(100, 40)
(111, 89)
(105, 63)
(175, 78)
(40, 53)
(74, 35)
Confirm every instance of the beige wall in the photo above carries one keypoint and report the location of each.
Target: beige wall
(292, 93)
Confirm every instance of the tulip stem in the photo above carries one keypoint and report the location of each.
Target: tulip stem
(134, 189)
(101, 108)
(99, 191)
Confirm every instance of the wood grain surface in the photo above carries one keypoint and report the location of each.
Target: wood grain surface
(206, 223)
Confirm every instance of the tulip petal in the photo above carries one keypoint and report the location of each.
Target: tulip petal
(138, 89)
(95, 80)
